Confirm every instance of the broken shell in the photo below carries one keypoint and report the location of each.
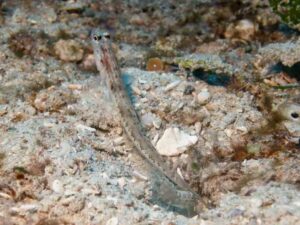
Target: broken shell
(174, 142)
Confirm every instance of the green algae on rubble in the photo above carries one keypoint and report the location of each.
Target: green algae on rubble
(287, 53)
(288, 10)
(207, 62)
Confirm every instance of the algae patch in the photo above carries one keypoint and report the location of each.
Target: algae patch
(289, 11)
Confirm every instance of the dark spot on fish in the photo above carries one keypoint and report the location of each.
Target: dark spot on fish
(112, 86)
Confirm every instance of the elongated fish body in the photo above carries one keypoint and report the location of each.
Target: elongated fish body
(168, 188)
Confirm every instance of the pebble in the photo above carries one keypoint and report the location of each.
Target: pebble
(4, 195)
(174, 142)
(236, 212)
(119, 141)
(73, 7)
(198, 127)
(293, 128)
(155, 139)
(122, 182)
(40, 103)
(172, 85)
(203, 97)
(136, 90)
(83, 128)
(246, 29)
(228, 132)
(150, 120)
(157, 123)
(253, 148)
(75, 87)
(57, 186)
(147, 120)
(113, 221)
(139, 19)
(30, 208)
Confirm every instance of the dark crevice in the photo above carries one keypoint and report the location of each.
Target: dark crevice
(212, 78)
(293, 71)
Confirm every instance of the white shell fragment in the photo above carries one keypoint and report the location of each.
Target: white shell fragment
(174, 142)
(113, 221)
(57, 186)
(172, 85)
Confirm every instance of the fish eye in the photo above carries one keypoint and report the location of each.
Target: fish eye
(295, 115)
(97, 38)
(106, 35)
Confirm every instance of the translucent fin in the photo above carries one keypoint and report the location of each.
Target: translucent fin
(167, 195)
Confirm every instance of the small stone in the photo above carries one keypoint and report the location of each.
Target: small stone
(40, 103)
(57, 186)
(68, 50)
(174, 142)
(139, 19)
(172, 85)
(73, 7)
(119, 141)
(253, 149)
(155, 139)
(203, 97)
(198, 127)
(150, 120)
(147, 120)
(119, 130)
(255, 203)
(246, 29)
(147, 87)
(139, 175)
(235, 212)
(122, 182)
(113, 221)
(83, 128)
(94, 189)
(4, 195)
(136, 90)
(157, 123)
(228, 132)
(74, 87)
(31, 208)
(292, 127)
